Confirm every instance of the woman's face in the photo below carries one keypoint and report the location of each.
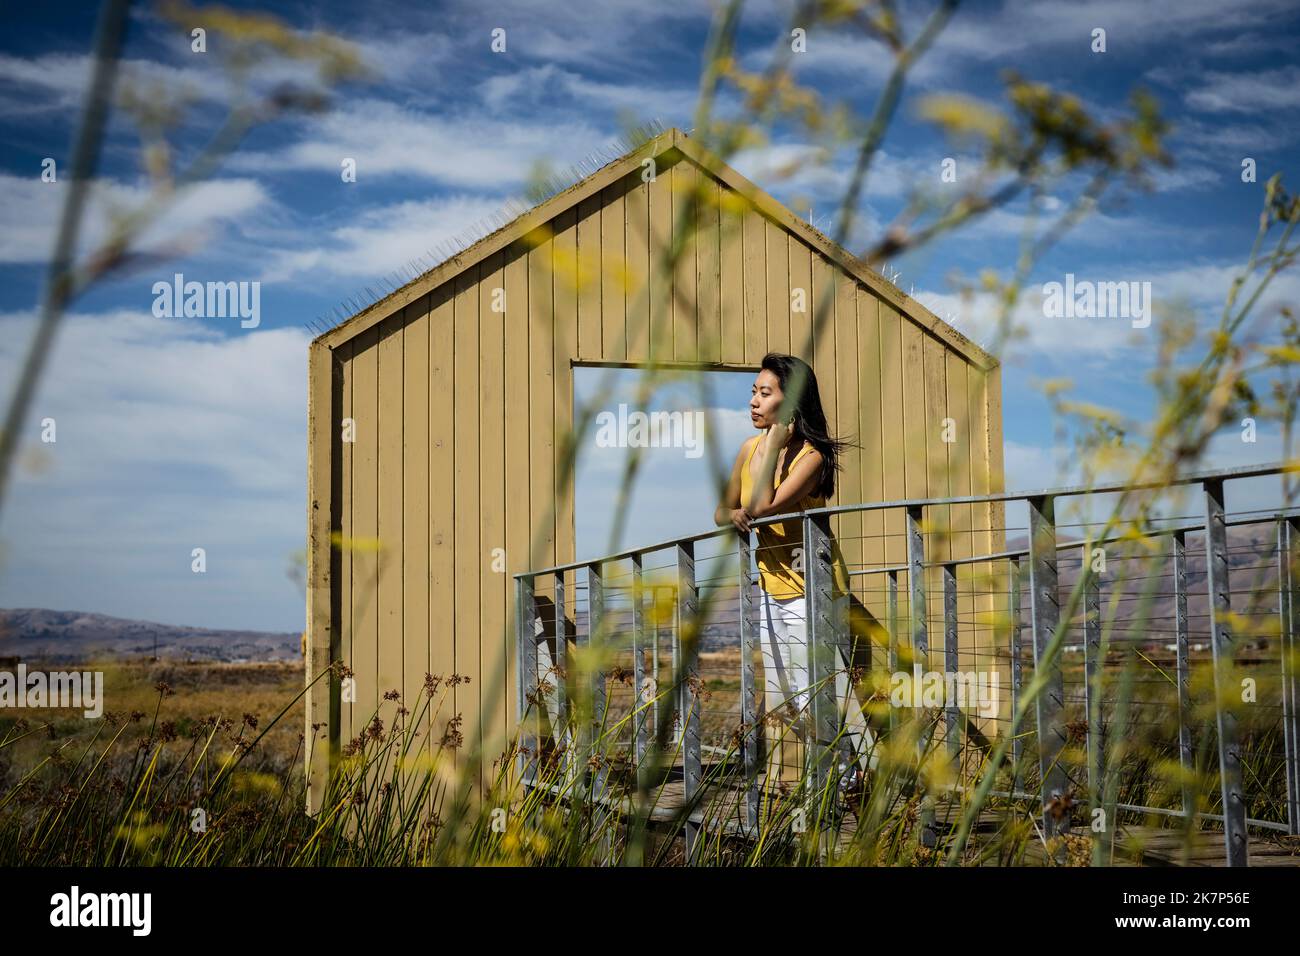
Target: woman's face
(765, 399)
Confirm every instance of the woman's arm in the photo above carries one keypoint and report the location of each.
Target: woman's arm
(797, 485)
(726, 512)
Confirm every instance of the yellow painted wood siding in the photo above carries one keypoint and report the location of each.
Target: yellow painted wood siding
(461, 413)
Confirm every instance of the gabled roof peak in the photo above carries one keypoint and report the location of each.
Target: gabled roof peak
(424, 275)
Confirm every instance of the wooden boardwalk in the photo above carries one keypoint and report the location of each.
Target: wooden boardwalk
(1167, 846)
(1135, 844)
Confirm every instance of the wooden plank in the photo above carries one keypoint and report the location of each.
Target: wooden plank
(821, 299)
(990, 586)
(389, 677)
(959, 484)
(997, 511)
(685, 294)
(493, 592)
(754, 252)
(320, 638)
(587, 263)
(661, 236)
(469, 551)
(871, 431)
(346, 533)
(566, 334)
(541, 401)
(938, 476)
(843, 380)
(518, 503)
(893, 449)
(613, 272)
(637, 238)
(778, 287)
(365, 524)
(565, 326)
(442, 509)
(708, 264)
(801, 322)
(915, 453)
(997, 477)
(415, 519)
(731, 259)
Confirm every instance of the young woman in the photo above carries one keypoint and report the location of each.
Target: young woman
(790, 467)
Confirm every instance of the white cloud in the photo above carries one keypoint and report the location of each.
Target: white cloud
(171, 435)
(31, 209)
(479, 151)
(613, 34)
(1017, 31)
(541, 87)
(382, 238)
(57, 82)
(805, 168)
(856, 59)
(1213, 141)
(1201, 288)
(1256, 93)
(1036, 467)
(1051, 24)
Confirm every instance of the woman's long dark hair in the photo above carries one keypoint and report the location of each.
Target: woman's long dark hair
(799, 385)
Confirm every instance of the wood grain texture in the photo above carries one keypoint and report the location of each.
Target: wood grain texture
(462, 414)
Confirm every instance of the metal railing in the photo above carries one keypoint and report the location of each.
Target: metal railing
(1020, 630)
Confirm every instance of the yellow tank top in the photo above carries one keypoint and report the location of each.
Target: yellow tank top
(775, 543)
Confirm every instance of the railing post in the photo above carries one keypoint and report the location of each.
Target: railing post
(1185, 756)
(1013, 605)
(892, 612)
(1045, 618)
(1223, 644)
(596, 639)
(952, 713)
(527, 698)
(751, 736)
(688, 686)
(675, 661)
(560, 727)
(655, 668)
(1289, 587)
(822, 647)
(916, 614)
(1092, 699)
(641, 707)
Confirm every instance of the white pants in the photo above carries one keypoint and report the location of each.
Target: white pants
(783, 635)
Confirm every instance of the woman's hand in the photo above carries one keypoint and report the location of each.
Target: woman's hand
(740, 518)
(778, 435)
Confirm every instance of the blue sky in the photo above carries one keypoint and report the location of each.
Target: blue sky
(176, 433)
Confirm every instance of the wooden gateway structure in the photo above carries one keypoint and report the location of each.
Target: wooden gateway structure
(437, 419)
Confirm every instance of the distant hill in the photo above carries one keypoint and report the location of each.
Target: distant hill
(36, 634)
(1252, 565)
